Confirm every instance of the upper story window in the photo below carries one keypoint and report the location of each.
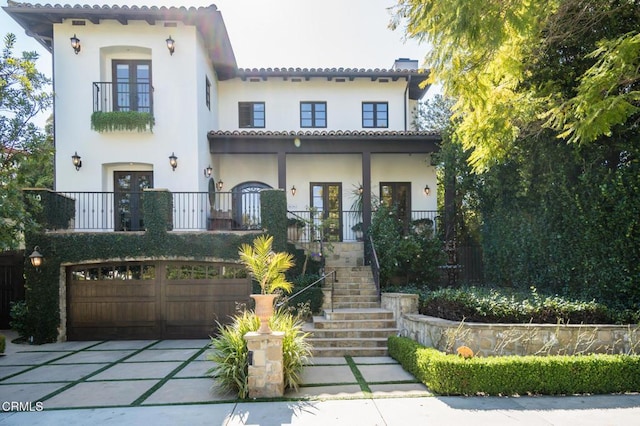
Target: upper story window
(375, 114)
(313, 114)
(251, 114)
(132, 85)
(207, 92)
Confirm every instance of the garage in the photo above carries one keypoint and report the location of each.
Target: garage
(152, 300)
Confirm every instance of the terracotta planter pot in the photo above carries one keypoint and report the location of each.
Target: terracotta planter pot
(264, 310)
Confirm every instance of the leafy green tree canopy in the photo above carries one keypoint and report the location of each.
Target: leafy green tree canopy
(25, 152)
(497, 58)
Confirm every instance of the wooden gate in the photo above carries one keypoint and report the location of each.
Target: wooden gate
(152, 300)
(11, 283)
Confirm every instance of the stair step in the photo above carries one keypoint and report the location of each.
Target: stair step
(347, 342)
(355, 305)
(355, 352)
(358, 314)
(321, 323)
(353, 333)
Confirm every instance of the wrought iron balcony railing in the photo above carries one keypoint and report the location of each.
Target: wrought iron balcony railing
(112, 97)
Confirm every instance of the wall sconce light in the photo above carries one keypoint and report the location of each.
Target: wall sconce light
(219, 185)
(171, 45)
(36, 257)
(208, 172)
(77, 161)
(293, 190)
(173, 161)
(360, 189)
(75, 44)
(427, 190)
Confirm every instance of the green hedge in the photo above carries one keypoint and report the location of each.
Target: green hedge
(517, 375)
(2, 343)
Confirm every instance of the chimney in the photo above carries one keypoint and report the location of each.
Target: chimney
(405, 64)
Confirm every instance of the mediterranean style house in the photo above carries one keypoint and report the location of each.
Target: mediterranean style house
(152, 97)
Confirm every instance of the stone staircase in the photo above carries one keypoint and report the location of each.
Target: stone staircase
(353, 322)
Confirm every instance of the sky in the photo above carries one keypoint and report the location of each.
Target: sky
(284, 33)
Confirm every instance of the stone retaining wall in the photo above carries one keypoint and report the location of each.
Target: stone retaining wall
(509, 339)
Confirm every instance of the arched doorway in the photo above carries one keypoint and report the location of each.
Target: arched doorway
(246, 204)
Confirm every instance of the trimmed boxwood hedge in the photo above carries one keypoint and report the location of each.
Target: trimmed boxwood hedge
(517, 375)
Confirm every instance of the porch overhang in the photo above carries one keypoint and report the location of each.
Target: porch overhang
(332, 142)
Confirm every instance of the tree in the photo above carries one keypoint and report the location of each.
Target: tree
(485, 54)
(26, 152)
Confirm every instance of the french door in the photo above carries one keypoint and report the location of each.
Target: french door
(127, 188)
(326, 202)
(132, 85)
(397, 194)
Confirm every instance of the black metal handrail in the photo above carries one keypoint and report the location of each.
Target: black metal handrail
(321, 279)
(375, 266)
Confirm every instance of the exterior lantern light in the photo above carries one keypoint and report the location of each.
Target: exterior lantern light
(427, 190)
(36, 257)
(76, 160)
(75, 44)
(208, 172)
(171, 45)
(173, 161)
(293, 190)
(220, 184)
(360, 189)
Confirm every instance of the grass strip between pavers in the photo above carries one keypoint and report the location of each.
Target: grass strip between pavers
(169, 376)
(88, 376)
(68, 353)
(359, 377)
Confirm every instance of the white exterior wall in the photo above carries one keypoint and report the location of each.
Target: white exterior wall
(414, 168)
(179, 127)
(282, 101)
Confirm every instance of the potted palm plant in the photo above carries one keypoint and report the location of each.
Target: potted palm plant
(267, 268)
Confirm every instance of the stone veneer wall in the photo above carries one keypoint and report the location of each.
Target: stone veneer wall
(509, 339)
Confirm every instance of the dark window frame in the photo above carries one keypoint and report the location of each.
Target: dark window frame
(207, 92)
(315, 112)
(375, 120)
(133, 99)
(249, 117)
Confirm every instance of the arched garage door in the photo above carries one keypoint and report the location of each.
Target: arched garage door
(152, 300)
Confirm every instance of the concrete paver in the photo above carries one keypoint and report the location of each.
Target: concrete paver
(55, 373)
(163, 355)
(137, 370)
(327, 374)
(101, 394)
(177, 391)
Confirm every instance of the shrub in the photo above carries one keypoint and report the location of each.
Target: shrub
(405, 250)
(517, 375)
(475, 304)
(2, 343)
(230, 353)
(20, 320)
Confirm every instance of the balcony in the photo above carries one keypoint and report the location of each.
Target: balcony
(122, 107)
(196, 211)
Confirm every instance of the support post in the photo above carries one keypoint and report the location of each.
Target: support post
(266, 368)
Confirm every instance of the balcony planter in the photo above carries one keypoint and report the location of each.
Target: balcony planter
(294, 228)
(357, 230)
(122, 120)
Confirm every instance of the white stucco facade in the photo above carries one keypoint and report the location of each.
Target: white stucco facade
(181, 115)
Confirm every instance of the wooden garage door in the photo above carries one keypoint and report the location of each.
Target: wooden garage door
(152, 300)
